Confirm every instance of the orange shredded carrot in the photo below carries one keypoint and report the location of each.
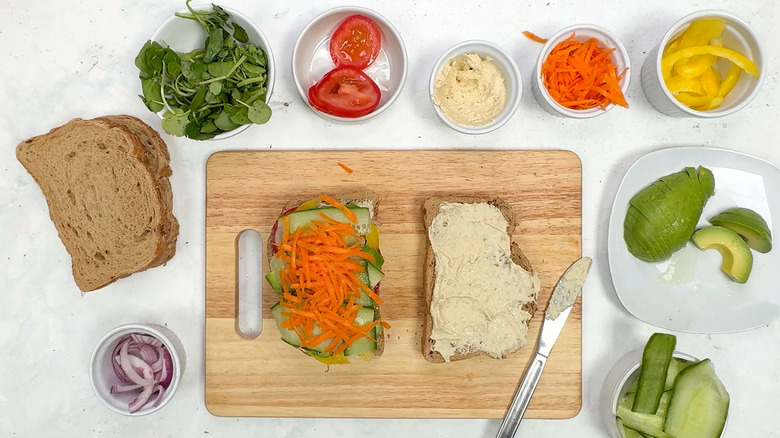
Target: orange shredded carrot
(581, 75)
(347, 212)
(533, 37)
(344, 166)
(320, 282)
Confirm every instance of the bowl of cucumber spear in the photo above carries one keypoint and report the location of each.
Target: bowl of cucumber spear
(658, 391)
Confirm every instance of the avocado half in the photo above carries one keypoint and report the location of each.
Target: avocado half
(748, 224)
(737, 257)
(662, 216)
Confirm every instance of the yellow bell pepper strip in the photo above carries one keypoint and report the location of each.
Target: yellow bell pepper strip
(672, 47)
(677, 84)
(726, 85)
(701, 32)
(695, 66)
(710, 81)
(668, 61)
(692, 100)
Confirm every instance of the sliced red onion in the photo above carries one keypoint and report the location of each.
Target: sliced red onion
(148, 354)
(166, 374)
(278, 234)
(160, 394)
(142, 362)
(157, 366)
(141, 399)
(124, 388)
(128, 367)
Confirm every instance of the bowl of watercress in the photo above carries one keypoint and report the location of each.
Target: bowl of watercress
(208, 72)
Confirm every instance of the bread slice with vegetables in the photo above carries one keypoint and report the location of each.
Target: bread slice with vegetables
(325, 265)
(480, 289)
(103, 199)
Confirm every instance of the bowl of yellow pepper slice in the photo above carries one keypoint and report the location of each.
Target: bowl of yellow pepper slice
(709, 64)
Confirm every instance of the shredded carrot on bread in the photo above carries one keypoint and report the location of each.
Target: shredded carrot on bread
(581, 75)
(334, 203)
(534, 37)
(320, 282)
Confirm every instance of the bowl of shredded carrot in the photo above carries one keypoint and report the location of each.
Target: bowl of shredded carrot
(582, 72)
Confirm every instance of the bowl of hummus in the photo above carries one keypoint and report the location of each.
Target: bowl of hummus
(475, 87)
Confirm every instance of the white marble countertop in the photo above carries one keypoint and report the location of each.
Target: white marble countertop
(75, 59)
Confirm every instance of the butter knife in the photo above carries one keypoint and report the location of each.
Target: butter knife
(566, 292)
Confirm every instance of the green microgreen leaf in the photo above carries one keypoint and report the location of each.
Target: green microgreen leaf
(259, 112)
(175, 121)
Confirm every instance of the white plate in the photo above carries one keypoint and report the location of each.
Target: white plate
(688, 292)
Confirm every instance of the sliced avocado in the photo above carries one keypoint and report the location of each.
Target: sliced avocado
(662, 216)
(635, 237)
(737, 258)
(748, 224)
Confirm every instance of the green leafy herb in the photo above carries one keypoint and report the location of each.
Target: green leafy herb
(210, 90)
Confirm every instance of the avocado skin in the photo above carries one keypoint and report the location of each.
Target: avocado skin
(662, 216)
(737, 257)
(748, 224)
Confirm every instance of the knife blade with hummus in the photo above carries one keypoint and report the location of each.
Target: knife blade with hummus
(325, 265)
(480, 288)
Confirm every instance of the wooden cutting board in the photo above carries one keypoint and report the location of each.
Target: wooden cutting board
(266, 377)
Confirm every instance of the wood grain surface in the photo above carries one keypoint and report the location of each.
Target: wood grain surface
(266, 377)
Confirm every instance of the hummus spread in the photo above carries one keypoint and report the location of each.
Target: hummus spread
(568, 288)
(479, 294)
(470, 90)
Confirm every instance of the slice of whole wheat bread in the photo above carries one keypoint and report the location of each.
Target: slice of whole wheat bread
(430, 210)
(344, 198)
(102, 197)
(158, 159)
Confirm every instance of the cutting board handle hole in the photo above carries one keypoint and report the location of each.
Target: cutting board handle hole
(249, 269)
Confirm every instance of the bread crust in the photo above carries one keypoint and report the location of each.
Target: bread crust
(430, 209)
(344, 198)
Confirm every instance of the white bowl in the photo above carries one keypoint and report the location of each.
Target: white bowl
(184, 35)
(508, 68)
(101, 371)
(622, 374)
(311, 59)
(582, 32)
(738, 36)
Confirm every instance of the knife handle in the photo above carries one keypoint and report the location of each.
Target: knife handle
(522, 398)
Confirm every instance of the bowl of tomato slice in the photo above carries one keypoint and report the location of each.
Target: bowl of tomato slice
(349, 64)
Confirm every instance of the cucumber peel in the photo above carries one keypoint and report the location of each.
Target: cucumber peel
(652, 376)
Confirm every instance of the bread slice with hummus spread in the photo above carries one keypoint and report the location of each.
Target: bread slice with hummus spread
(480, 289)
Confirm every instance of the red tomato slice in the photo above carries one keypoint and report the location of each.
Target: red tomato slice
(345, 92)
(356, 42)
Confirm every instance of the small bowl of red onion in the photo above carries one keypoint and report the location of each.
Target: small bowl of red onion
(136, 368)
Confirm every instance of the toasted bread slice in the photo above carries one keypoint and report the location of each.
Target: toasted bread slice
(102, 197)
(431, 208)
(366, 198)
(158, 160)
